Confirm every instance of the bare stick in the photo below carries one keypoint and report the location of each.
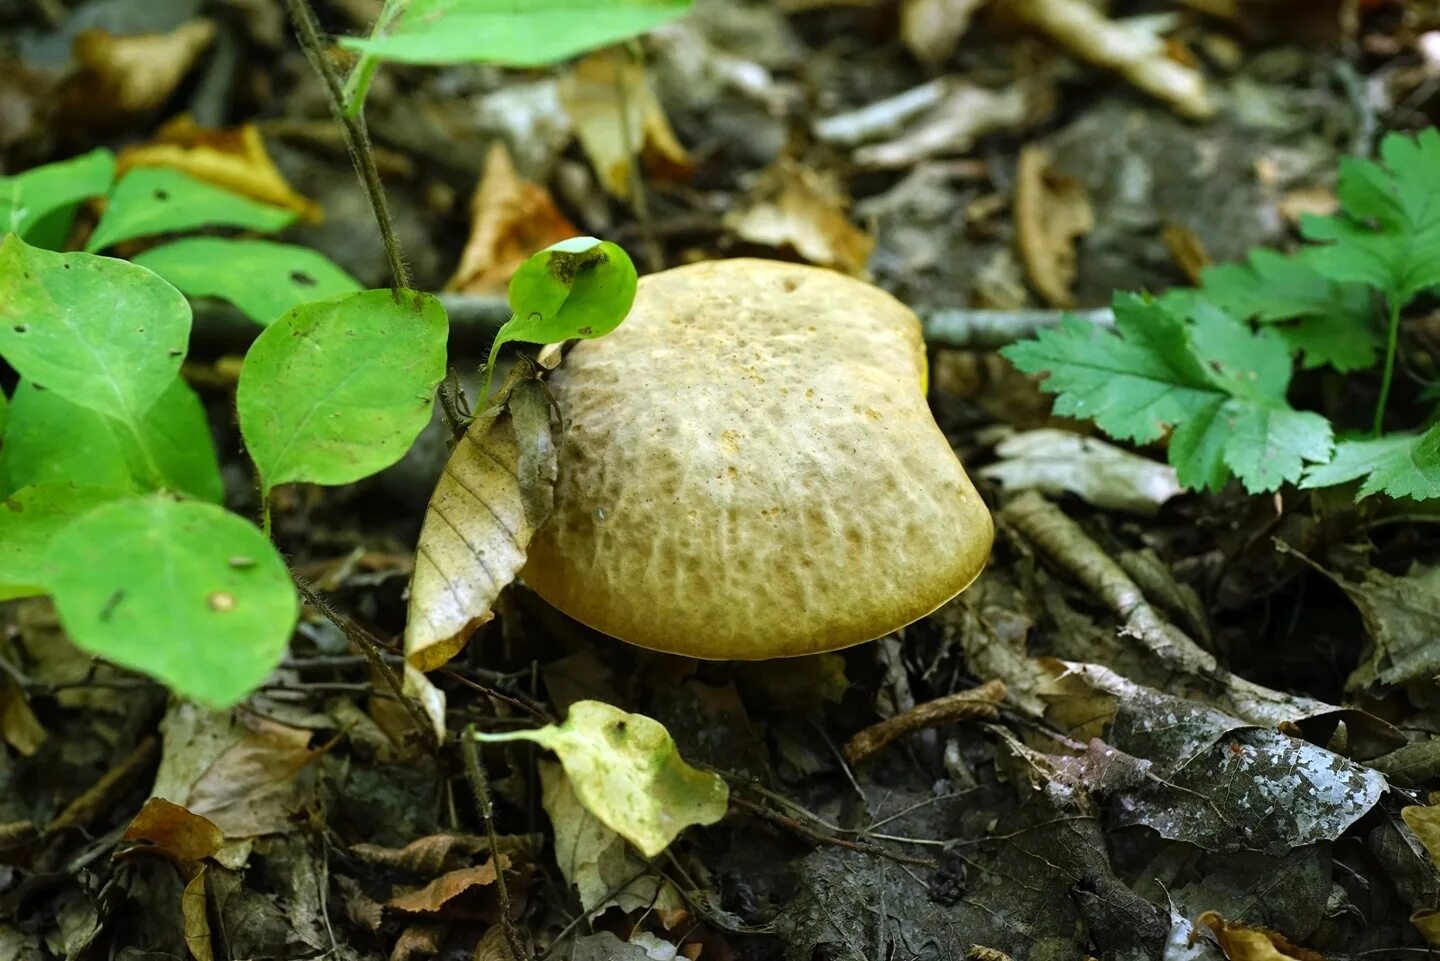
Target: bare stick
(480, 787)
(978, 703)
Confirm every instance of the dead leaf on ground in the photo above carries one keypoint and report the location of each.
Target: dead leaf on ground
(453, 894)
(434, 855)
(1295, 204)
(1424, 821)
(1402, 619)
(948, 122)
(511, 218)
(235, 159)
(932, 28)
(1051, 211)
(1243, 943)
(1186, 249)
(126, 76)
(425, 940)
(1142, 58)
(176, 831)
(1055, 462)
(479, 523)
(195, 910)
(19, 726)
(593, 92)
(794, 206)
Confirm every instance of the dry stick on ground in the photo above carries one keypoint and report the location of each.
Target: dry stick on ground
(480, 788)
(977, 703)
(806, 831)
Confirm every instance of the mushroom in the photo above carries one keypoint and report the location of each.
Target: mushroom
(750, 470)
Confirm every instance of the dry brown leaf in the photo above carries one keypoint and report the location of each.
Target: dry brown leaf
(1051, 210)
(479, 523)
(1243, 943)
(1143, 59)
(1186, 249)
(492, 946)
(451, 893)
(251, 787)
(235, 159)
(794, 206)
(1427, 922)
(433, 855)
(19, 726)
(1296, 203)
(177, 832)
(592, 94)
(932, 28)
(424, 940)
(1425, 822)
(511, 218)
(194, 909)
(132, 75)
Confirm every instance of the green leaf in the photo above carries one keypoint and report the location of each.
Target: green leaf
(102, 333)
(1218, 385)
(1329, 323)
(39, 204)
(51, 439)
(1401, 465)
(186, 592)
(338, 389)
(505, 32)
(157, 200)
(627, 772)
(262, 278)
(29, 518)
(1389, 234)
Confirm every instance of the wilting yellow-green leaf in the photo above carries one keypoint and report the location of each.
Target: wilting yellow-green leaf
(627, 772)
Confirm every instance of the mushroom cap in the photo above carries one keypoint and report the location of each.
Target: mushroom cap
(750, 470)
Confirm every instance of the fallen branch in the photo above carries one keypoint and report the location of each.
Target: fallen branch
(977, 703)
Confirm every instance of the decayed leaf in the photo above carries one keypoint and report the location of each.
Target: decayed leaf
(1403, 620)
(437, 853)
(932, 28)
(179, 833)
(194, 909)
(593, 93)
(1243, 943)
(604, 870)
(1059, 461)
(132, 74)
(1051, 211)
(511, 218)
(445, 893)
(424, 940)
(235, 159)
(794, 206)
(479, 523)
(1141, 58)
(626, 770)
(961, 114)
(19, 726)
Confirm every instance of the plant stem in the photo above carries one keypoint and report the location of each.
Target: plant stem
(265, 514)
(1392, 341)
(357, 85)
(480, 787)
(357, 138)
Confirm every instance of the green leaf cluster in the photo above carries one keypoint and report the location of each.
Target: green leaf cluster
(1209, 369)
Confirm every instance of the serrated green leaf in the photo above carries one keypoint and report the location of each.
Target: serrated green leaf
(29, 519)
(627, 771)
(1401, 465)
(262, 278)
(39, 204)
(532, 34)
(157, 200)
(186, 592)
(1327, 322)
(338, 389)
(51, 439)
(102, 333)
(1271, 445)
(1389, 234)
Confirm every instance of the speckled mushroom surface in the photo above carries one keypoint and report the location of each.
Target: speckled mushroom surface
(750, 470)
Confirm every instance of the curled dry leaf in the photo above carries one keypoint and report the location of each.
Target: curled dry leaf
(453, 893)
(195, 915)
(932, 28)
(1051, 211)
(511, 218)
(1244, 943)
(436, 854)
(1059, 461)
(794, 206)
(618, 118)
(177, 832)
(1141, 58)
(234, 159)
(497, 488)
(134, 74)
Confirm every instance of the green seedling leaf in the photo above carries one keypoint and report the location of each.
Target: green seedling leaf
(157, 200)
(39, 204)
(627, 772)
(185, 592)
(1219, 386)
(101, 333)
(29, 518)
(338, 389)
(1389, 233)
(1401, 465)
(531, 34)
(51, 439)
(578, 288)
(262, 278)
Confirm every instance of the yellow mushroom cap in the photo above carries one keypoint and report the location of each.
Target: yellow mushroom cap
(750, 470)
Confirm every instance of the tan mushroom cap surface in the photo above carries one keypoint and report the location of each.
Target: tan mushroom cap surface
(750, 470)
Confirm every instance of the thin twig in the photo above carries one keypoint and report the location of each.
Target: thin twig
(972, 704)
(805, 831)
(357, 138)
(480, 787)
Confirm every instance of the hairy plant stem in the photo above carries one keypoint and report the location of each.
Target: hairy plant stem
(1387, 374)
(357, 138)
(357, 85)
(480, 787)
